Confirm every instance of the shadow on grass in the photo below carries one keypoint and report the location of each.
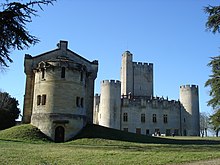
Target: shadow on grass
(96, 131)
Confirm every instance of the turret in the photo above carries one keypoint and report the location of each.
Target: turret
(127, 74)
(110, 104)
(189, 98)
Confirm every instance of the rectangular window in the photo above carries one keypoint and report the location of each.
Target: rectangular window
(165, 118)
(125, 117)
(142, 118)
(147, 131)
(63, 72)
(82, 102)
(126, 129)
(38, 99)
(44, 97)
(78, 101)
(138, 130)
(154, 118)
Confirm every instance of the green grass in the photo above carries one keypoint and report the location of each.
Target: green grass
(99, 145)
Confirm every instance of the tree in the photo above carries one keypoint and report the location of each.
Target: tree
(204, 124)
(213, 24)
(13, 19)
(9, 110)
(215, 121)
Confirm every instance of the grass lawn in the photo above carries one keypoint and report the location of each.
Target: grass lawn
(92, 147)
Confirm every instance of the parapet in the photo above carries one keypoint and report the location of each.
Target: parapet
(189, 87)
(145, 66)
(110, 82)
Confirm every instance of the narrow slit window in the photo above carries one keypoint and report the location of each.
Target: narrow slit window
(82, 102)
(43, 73)
(78, 101)
(63, 72)
(38, 99)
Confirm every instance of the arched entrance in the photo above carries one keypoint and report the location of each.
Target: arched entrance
(59, 134)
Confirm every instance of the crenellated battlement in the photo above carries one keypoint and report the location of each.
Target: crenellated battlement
(189, 87)
(110, 82)
(154, 102)
(141, 64)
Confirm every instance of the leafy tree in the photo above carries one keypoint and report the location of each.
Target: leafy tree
(14, 17)
(213, 24)
(9, 110)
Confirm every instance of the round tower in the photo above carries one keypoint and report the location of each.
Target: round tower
(189, 98)
(59, 104)
(110, 104)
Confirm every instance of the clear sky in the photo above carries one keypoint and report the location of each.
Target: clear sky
(170, 34)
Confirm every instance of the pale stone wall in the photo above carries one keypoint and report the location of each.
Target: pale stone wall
(110, 104)
(143, 79)
(157, 106)
(189, 97)
(127, 73)
(69, 99)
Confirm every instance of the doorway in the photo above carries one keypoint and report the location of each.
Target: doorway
(59, 134)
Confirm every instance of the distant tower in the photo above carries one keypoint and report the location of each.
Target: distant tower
(189, 97)
(127, 74)
(110, 104)
(136, 78)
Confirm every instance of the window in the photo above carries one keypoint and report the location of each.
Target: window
(81, 76)
(165, 118)
(138, 130)
(38, 99)
(126, 129)
(125, 117)
(78, 101)
(44, 97)
(154, 118)
(43, 73)
(63, 72)
(142, 118)
(82, 102)
(147, 131)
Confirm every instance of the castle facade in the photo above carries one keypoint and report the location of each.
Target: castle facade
(59, 98)
(130, 104)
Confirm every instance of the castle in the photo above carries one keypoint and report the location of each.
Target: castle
(59, 98)
(130, 104)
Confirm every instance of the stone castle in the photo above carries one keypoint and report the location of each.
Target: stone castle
(59, 98)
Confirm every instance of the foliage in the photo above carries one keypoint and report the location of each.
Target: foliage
(215, 121)
(14, 17)
(213, 18)
(213, 82)
(9, 110)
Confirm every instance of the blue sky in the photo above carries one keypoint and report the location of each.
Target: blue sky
(170, 34)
